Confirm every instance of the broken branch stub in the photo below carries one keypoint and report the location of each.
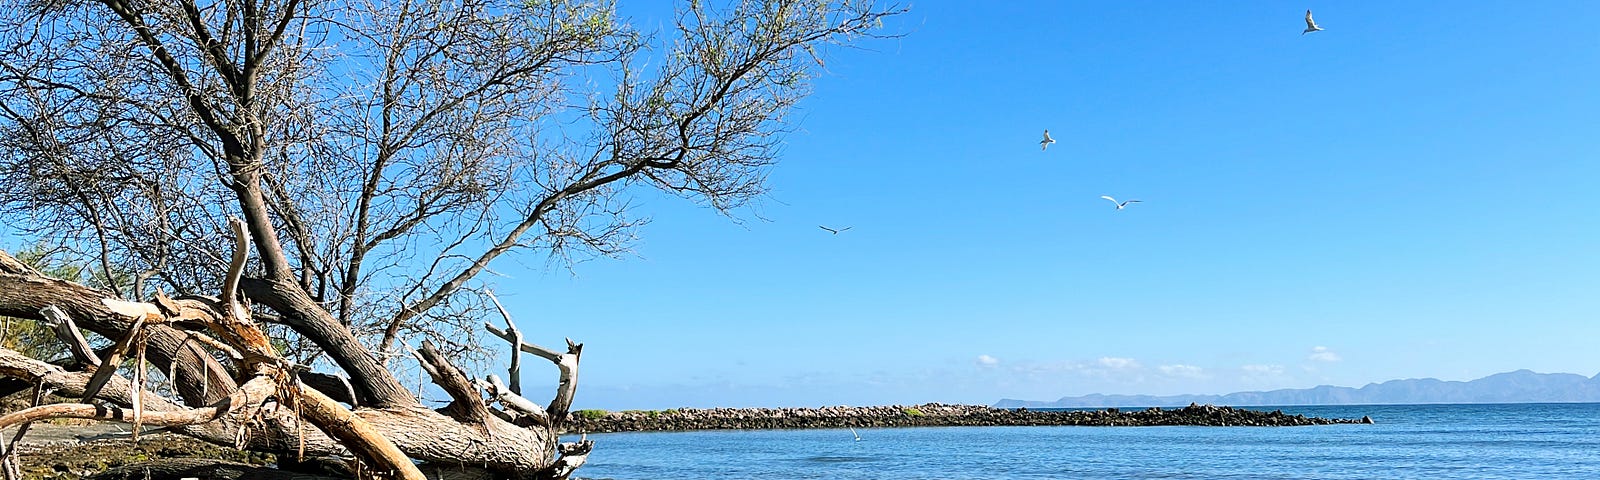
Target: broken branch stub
(568, 387)
(511, 334)
(113, 358)
(521, 406)
(465, 397)
(566, 362)
(67, 331)
(573, 455)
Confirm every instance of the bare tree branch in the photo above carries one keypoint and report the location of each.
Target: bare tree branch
(467, 401)
(510, 334)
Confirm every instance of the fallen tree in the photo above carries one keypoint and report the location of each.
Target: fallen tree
(277, 197)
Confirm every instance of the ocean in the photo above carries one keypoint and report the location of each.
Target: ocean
(1531, 441)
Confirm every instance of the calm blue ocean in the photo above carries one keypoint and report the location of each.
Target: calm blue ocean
(1409, 441)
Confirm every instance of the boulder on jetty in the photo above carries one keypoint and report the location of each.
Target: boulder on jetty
(926, 415)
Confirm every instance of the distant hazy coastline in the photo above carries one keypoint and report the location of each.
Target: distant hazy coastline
(1521, 386)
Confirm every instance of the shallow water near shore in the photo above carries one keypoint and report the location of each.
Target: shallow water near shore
(1408, 441)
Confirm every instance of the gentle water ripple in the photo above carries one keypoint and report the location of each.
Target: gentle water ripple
(1411, 441)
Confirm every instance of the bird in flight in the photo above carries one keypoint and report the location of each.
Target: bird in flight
(1119, 205)
(833, 231)
(853, 432)
(1311, 25)
(1043, 144)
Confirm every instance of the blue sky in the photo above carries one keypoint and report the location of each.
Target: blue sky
(1410, 193)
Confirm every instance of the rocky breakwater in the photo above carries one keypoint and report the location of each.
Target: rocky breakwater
(926, 415)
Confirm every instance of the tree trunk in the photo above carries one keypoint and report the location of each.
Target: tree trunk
(374, 384)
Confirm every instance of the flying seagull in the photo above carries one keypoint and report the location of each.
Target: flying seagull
(1311, 25)
(1043, 144)
(835, 232)
(853, 432)
(1119, 205)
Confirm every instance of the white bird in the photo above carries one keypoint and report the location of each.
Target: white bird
(1121, 204)
(835, 232)
(1043, 144)
(853, 432)
(1311, 25)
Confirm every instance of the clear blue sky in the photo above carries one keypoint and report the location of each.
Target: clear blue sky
(1410, 193)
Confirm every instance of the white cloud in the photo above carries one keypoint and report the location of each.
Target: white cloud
(1323, 354)
(1185, 371)
(1118, 363)
(1263, 369)
(988, 361)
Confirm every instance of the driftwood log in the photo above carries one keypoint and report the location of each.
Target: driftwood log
(259, 400)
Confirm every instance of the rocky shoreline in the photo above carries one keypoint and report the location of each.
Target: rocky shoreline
(926, 415)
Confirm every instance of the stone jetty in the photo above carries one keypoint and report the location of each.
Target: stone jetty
(926, 415)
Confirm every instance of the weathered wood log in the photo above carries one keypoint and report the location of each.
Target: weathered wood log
(235, 328)
(355, 433)
(419, 433)
(249, 397)
(202, 379)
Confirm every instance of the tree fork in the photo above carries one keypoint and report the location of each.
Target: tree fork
(376, 386)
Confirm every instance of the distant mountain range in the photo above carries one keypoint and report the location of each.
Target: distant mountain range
(1521, 386)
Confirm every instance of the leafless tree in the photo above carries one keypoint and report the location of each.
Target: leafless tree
(379, 157)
